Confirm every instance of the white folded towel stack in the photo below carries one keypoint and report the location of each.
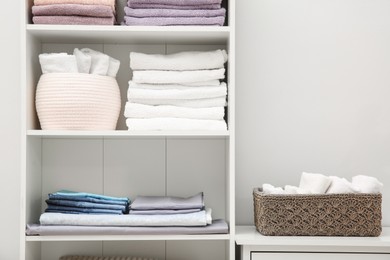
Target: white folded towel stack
(179, 91)
(367, 184)
(315, 183)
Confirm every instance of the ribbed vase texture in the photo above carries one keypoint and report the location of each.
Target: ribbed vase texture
(76, 101)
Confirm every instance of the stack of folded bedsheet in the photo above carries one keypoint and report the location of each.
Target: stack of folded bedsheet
(179, 91)
(69, 202)
(173, 12)
(82, 12)
(148, 215)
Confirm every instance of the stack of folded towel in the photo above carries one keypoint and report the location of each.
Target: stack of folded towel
(173, 12)
(148, 215)
(81, 12)
(179, 91)
(315, 183)
(69, 202)
(82, 61)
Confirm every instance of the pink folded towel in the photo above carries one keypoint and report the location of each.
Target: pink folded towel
(73, 20)
(173, 12)
(82, 2)
(73, 9)
(167, 21)
(173, 6)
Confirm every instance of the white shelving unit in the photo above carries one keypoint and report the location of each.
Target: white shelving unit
(255, 246)
(123, 163)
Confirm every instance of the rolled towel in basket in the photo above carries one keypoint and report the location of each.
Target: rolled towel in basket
(191, 60)
(270, 189)
(73, 9)
(168, 21)
(173, 124)
(58, 63)
(194, 103)
(189, 93)
(341, 185)
(83, 61)
(177, 77)
(367, 184)
(135, 12)
(134, 110)
(102, 64)
(314, 182)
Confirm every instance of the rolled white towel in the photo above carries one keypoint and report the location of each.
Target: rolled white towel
(191, 60)
(367, 184)
(189, 93)
(270, 189)
(314, 182)
(341, 185)
(83, 61)
(113, 67)
(173, 124)
(100, 61)
(134, 110)
(177, 77)
(58, 63)
(210, 83)
(195, 103)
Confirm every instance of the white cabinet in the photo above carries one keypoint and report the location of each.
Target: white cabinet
(123, 163)
(254, 246)
(317, 256)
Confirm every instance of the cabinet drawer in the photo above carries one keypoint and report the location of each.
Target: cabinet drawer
(317, 256)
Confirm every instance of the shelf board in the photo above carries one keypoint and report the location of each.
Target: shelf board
(248, 236)
(128, 237)
(129, 34)
(125, 133)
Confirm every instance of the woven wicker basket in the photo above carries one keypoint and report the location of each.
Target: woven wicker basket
(318, 215)
(77, 101)
(75, 257)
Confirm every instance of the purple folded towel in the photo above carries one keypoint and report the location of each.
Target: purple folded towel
(173, 12)
(73, 9)
(166, 21)
(173, 6)
(73, 20)
(177, 2)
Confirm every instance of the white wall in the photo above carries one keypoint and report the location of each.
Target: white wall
(313, 93)
(10, 130)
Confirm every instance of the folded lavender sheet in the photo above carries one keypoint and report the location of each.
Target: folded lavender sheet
(169, 21)
(132, 12)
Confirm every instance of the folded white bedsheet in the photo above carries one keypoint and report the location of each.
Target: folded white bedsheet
(173, 124)
(192, 60)
(134, 110)
(211, 83)
(195, 103)
(189, 93)
(177, 77)
(201, 218)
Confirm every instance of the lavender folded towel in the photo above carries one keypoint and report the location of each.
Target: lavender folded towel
(173, 6)
(73, 9)
(173, 12)
(176, 2)
(73, 20)
(167, 21)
